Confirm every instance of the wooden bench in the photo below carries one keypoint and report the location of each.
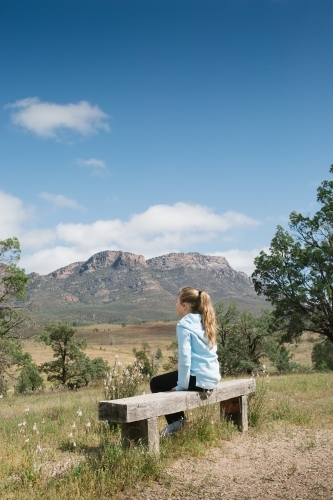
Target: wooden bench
(138, 415)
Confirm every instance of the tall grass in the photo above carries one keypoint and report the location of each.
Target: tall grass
(52, 445)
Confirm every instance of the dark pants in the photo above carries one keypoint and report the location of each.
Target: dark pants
(166, 382)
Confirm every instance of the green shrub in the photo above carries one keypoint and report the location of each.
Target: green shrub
(322, 356)
(29, 380)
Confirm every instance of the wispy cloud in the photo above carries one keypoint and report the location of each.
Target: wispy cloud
(92, 162)
(60, 201)
(98, 167)
(46, 119)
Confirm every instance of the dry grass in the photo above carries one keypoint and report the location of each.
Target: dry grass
(52, 450)
(111, 340)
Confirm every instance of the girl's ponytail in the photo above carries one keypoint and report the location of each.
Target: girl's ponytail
(200, 302)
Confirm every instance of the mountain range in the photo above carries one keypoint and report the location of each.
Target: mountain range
(121, 287)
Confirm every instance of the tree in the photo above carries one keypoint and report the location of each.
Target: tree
(29, 379)
(296, 276)
(322, 356)
(244, 341)
(71, 366)
(13, 282)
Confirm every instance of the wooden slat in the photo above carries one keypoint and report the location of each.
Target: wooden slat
(162, 403)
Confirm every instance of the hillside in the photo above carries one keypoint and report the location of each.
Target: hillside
(116, 287)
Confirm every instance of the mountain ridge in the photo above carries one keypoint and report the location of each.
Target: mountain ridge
(116, 286)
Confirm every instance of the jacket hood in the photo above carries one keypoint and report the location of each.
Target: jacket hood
(193, 323)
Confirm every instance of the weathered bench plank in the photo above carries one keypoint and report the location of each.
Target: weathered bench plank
(162, 403)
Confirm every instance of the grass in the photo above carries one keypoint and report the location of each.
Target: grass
(111, 340)
(54, 447)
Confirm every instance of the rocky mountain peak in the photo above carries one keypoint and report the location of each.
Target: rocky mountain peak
(192, 260)
(114, 259)
(63, 272)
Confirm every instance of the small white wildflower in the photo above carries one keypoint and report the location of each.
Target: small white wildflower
(27, 409)
(74, 444)
(38, 448)
(79, 413)
(24, 422)
(27, 440)
(73, 425)
(34, 427)
(70, 435)
(88, 424)
(1, 396)
(20, 424)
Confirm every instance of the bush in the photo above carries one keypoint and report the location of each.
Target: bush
(322, 356)
(281, 359)
(123, 382)
(147, 359)
(29, 380)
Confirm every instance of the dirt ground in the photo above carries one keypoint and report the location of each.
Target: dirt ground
(283, 464)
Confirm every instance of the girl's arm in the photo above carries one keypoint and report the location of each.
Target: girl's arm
(184, 358)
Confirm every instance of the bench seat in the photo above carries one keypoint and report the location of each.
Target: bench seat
(138, 415)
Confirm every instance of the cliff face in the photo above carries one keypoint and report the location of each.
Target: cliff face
(115, 286)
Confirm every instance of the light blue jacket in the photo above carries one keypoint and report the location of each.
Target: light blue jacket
(196, 356)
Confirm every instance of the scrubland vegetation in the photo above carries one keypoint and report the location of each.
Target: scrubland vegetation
(54, 447)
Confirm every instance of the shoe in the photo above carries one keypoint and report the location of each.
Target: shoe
(171, 429)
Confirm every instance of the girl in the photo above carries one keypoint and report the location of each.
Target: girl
(198, 367)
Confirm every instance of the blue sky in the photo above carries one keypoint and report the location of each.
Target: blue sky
(158, 126)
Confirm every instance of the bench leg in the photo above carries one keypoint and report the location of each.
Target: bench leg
(235, 409)
(145, 431)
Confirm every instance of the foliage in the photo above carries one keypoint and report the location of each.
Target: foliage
(244, 340)
(296, 275)
(71, 366)
(147, 359)
(13, 282)
(172, 363)
(124, 382)
(322, 356)
(282, 359)
(29, 379)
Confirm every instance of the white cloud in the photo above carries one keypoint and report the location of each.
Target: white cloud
(92, 162)
(241, 260)
(160, 229)
(46, 118)
(60, 201)
(12, 215)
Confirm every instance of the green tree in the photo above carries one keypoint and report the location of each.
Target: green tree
(13, 281)
(71, 366)
(322, 356)
(296, 276)
(29, 379)
(244, 341)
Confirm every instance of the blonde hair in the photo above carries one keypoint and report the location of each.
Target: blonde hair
(200, 302)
